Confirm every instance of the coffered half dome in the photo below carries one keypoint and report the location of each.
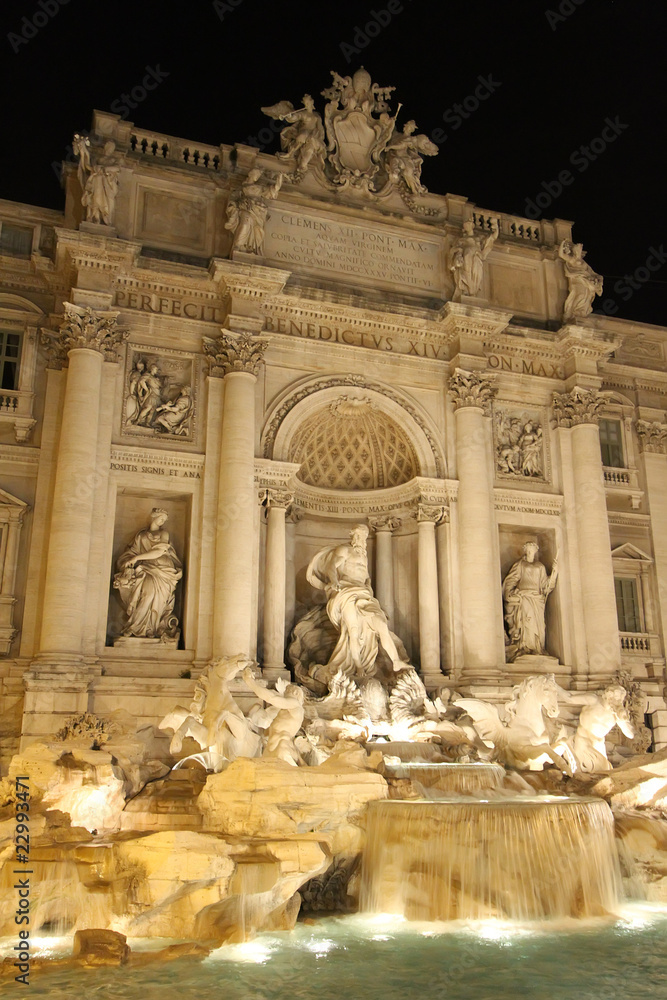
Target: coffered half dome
(352, 444)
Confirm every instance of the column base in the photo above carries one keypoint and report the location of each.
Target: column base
(433, 679)
(54, 692)
(485, 676)
(272, 673)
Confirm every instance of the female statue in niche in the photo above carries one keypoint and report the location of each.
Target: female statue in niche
(146, 578)
(525, 591)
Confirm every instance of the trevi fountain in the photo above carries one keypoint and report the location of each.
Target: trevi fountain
(340, 670)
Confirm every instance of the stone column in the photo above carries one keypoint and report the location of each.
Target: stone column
(653, 443)
(236, 358)
(479, 574)
(277, 504)
(384, 563)
(86, 338)
(579, 410)
(429, 604)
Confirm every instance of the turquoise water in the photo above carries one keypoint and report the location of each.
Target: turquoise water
(357, 958)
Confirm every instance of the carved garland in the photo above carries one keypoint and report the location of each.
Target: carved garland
(341, 380)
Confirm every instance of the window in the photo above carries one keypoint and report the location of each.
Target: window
(10, 349)
(627, 605)
(15, 240)
(611, 444)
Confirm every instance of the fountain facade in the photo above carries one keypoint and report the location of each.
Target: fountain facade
(319, 521)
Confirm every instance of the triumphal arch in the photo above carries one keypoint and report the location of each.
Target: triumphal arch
(233, 379)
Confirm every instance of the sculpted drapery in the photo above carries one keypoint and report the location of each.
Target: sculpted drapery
(148, 572)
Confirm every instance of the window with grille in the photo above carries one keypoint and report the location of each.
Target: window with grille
(10, 351)
(15, 240)
(627, 605)
(611, 444)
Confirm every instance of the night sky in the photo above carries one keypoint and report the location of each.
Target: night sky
(573, 86)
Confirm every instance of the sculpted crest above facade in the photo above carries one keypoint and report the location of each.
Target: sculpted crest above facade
(359, 144)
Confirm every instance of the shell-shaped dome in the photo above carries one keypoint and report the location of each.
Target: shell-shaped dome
(352, 444)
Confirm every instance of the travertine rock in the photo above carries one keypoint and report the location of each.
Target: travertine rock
(268, 798)
(101, 947)
(642, 841)
(642, 782)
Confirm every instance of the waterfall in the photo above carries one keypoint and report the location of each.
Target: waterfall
(432, 780)
(517, 859)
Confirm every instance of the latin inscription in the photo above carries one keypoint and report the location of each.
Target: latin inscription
(155, 470)
(354, 338)
(340, 249)
(524, 366)
(167, 306)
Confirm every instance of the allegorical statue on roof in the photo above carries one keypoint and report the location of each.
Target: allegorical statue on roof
(364, 150)
(404, 157)
(467, 258)
(99, 177)
(303, 139)
(582, 282)
(248, 207)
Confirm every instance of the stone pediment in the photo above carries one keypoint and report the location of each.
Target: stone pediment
(630, 551)
(9, 500)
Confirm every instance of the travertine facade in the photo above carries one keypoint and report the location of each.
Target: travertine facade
(269, 358)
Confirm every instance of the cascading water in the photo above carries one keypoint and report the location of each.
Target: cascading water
(468, 859)
(434, 780)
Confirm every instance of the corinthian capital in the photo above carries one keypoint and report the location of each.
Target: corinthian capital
(652, 436)
(385, 522)
(234, 352)
(429, 512)
(472, 389)
(581, 406)
(87, 329)
(271, 497)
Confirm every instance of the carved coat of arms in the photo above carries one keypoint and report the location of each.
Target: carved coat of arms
(358, 146)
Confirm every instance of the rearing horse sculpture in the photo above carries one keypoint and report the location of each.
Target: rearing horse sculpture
(520, 738)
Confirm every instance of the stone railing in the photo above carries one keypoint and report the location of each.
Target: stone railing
(624, 483)
(16, 408)
(172, 150)
(539, 232)
(640, 644)
(617, 476)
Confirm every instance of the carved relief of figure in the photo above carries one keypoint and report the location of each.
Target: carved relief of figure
(149, 395)
(530, 444)
(582, 281)
(342, 572)
(508, 449)
(101, 186)
(174, 417)
(403, 157)
(146, 578)
(247, 210)
(525, 591)
(303, 139)
(596, 720)
(286, 719)
(467, 259)
(132, 404)
(519, 446)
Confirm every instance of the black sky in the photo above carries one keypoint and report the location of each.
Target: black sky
(558, 71)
